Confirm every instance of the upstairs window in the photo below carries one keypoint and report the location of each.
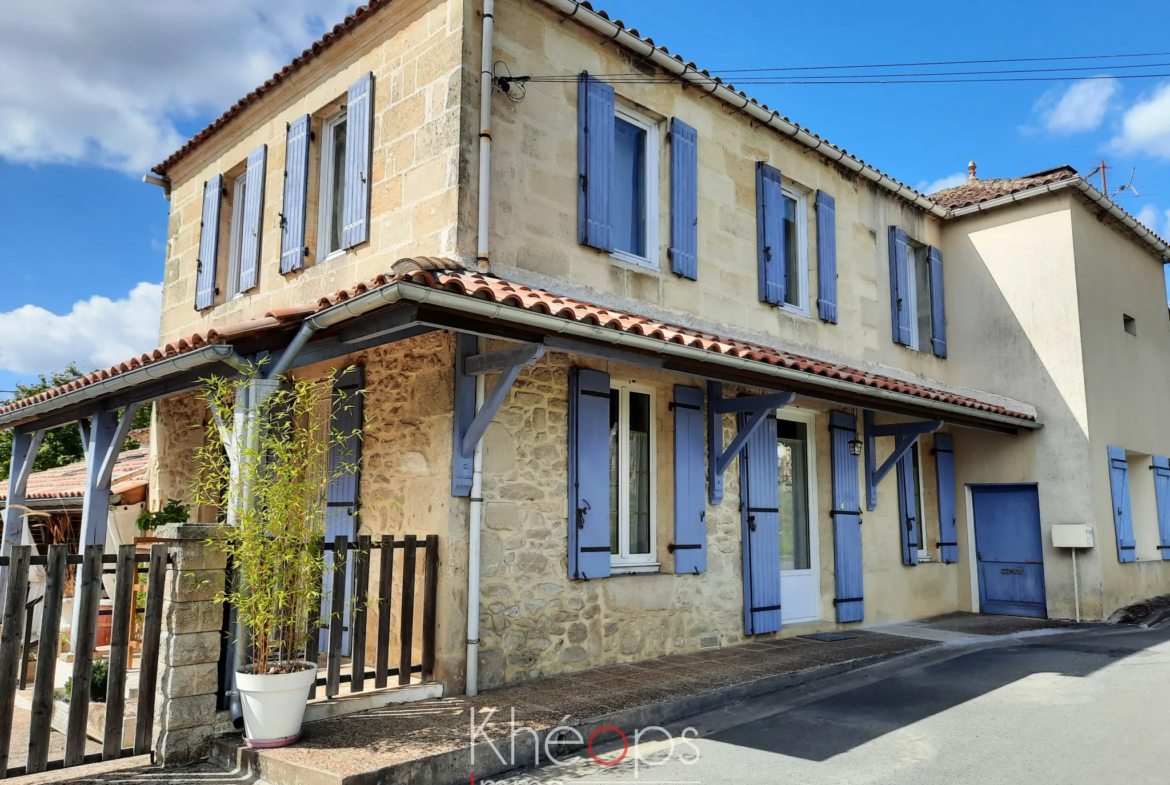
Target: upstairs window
(916, 294)
(634, 188)
(795, 250)
(239, 190)
(332, 198)
(919, 295)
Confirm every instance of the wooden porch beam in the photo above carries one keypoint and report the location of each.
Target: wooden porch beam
(25, 445)
(907, 434)
(760, 406)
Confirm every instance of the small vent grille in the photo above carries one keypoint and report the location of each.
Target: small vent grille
(710, 642)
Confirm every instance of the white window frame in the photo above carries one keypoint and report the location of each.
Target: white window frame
(325, 199)
(916, 253)
(623, 561)
(652, 185)
(809, 418)
(236, 236)
(920, 494)
(801, 199)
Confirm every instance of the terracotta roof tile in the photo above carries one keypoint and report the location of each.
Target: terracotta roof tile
(66, 482)
(487, 287)
(975, 191)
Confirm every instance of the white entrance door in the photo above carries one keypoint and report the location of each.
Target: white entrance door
(800, 588)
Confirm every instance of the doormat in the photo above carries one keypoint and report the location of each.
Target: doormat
(828, 637)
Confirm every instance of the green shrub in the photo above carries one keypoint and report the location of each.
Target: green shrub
(98, 682)
(174, 512)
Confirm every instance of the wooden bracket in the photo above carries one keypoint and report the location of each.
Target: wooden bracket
(760, 406)
(909, 433)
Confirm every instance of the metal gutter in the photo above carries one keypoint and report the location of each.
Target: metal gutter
(687, 73)
(1100, 200)
(403, 291)
(172, 366)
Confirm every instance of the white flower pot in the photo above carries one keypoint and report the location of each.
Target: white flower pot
(274, 705)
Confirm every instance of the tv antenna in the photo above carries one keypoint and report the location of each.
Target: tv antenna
(1129, 186)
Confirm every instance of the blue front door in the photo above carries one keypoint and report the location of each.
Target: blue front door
(1009, 550)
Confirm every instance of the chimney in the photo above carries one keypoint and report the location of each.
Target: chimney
(971, 169)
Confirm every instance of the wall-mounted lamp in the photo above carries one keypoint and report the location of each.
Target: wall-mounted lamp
(855, 446)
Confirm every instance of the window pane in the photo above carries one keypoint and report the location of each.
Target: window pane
(639, 473)
(614, 486)
(921, 271)
(627, 202)
(791, 253)
(794, 522)
(337, 197)
(239, 196)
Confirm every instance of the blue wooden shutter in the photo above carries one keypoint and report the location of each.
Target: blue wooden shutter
(760, 494)
(594, 161)
(948, 530)
(296, 195)
(846, 514)
(690, 473)
(827, 256)
(770, 233)
(205, 288)
(1161, 467)
(900, 315)
(359, 152)
(253, 216)
(1122, 516)
(938, 312)
(907, 506)
(684, 200)
(342, 496)
(589, 499)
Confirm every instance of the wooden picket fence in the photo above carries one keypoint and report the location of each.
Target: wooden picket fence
(16, 644)
(354, 558)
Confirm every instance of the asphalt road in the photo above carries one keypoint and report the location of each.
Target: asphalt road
(1080, 707)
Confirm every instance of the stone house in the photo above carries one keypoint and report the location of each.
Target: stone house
(698, 337)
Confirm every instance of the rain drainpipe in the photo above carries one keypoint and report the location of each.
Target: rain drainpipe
(475, 515)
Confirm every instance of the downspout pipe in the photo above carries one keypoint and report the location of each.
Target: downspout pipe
(475, 530)
(475, 514)
(486, 80)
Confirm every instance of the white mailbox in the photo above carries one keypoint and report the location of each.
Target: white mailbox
(1072, 535)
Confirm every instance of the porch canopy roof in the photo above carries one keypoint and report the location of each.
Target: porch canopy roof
(427, 294)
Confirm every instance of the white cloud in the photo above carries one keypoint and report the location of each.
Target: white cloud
(96, 333)
(1080, 107)
(1148, 215)
(1145, 127)
(950, 181)
(105, 83)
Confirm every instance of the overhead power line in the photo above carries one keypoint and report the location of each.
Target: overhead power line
(941, 62)
(604, 78)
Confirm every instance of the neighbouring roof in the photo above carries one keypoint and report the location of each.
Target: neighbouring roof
(487, 287)
(68, 482)
(975, 191)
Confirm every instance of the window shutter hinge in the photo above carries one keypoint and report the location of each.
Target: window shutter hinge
(584, 183)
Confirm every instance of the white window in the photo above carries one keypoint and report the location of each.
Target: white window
(332, 197)
(633, 207)
(920, 512)
(795, 542)
(633, 486)
(918, 268)
(236, 249)
(795, 250)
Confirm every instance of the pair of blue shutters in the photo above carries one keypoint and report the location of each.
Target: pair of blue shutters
(901, 280)
(355, 209)
(1122, 512)
(595, 162)
(207, 262)
(909, 507)
(342, 496)
(772, 244)
(589, 477)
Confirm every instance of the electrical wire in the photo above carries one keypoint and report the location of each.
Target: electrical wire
(839, 81)
(940, 62)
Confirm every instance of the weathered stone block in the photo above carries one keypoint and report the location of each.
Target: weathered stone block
(194, 585)
(183, 681)
(194, 711)
(191, 648)
(185, 617)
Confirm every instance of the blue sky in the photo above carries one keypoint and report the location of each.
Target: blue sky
(98, 93)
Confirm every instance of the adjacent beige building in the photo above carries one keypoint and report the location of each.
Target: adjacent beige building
(684, 271)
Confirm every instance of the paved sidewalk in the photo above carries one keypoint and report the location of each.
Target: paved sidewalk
(430, 741)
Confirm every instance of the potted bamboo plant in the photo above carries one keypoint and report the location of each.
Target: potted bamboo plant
(269, 475)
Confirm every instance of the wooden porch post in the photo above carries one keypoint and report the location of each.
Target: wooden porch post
(107, 434)
(24, 451)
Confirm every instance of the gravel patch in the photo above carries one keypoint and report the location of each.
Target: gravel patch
(1133, 614)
